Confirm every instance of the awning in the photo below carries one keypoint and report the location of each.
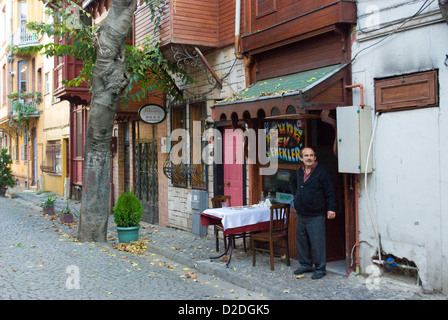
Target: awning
(286, 93)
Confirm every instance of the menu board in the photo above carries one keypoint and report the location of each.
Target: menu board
(290, 140)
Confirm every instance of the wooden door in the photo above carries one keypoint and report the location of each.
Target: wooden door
(233, 165)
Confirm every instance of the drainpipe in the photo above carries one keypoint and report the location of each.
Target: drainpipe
(11, 60)
(248, 60)
(238, 54)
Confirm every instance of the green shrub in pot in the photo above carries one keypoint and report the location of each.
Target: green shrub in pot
(127, 216)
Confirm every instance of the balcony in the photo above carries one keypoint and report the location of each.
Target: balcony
(25, 38)
(293, 21)
(67, 68)
(24, 106)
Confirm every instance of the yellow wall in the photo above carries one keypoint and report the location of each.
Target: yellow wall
(35, 82)
(56, 124)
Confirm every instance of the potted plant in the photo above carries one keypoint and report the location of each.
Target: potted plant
(48, 205)
(6, 179)
(127, 216)
(66, 215)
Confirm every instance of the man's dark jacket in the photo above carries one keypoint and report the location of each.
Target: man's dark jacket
(316, 196)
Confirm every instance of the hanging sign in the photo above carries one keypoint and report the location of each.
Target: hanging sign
(152, 113)
(290, 140)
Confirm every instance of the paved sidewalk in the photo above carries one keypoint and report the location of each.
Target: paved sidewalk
(195, 252)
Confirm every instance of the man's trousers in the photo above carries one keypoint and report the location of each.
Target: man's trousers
(311, 242)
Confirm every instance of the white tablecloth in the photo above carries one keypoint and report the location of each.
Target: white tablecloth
(234, 218)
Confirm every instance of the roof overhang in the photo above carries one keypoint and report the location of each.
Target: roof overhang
(320, 88)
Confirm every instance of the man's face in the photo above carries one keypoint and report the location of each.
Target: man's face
(308, 157)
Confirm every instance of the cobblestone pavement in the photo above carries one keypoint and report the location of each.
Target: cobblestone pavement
(35, 252)
(39, 259)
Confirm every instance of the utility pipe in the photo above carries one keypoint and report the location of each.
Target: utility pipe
(248, 60)
(238, 54)
(366, 187)
(361, 87)
(356, 227)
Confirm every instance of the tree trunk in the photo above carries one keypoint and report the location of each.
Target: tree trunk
(109, 80)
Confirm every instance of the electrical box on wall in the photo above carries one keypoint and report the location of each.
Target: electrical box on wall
(354, 129)
(165, 144)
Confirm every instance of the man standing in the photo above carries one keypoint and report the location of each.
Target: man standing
(314, 199)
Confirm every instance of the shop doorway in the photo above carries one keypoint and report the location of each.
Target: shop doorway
(321, 138)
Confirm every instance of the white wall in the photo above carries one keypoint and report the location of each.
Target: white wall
(408, 188)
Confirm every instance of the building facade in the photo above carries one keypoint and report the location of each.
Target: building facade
(22, 83)
(400, 57)
(362, 82)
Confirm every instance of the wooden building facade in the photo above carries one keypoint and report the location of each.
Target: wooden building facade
(298, 57)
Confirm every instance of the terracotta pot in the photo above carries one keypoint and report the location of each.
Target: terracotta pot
(67, 218)
(49, 210)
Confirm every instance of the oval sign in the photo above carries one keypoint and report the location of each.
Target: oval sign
(152, 113)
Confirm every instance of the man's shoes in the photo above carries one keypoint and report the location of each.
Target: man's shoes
(319, 275)
(302, 270)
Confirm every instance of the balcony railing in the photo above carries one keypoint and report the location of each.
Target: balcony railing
(24, 105)
(24, 38)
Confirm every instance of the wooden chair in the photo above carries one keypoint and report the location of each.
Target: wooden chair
(217, 203)
(278, 231)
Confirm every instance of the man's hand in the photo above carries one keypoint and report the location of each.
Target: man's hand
(331, 214)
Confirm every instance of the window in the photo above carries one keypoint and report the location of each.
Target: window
(178, 122)
(47, 83)
(24, 149)
(79, 127)
(16, 149)
(4, 26)
(198, 116)
(22, 18)
(23, 74)
(193, 171)
(4, 83)
(52, 163)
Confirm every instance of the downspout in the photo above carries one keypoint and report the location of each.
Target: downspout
(238, 54)
(11, 60)
(248, 60)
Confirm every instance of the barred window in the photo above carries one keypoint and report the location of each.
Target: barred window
(198, 115)
(178, 122)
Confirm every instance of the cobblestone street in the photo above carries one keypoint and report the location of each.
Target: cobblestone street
(39, 259)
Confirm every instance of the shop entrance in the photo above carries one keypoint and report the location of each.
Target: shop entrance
(321, 139)
(315, 133)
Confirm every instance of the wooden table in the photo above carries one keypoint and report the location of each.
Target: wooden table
(237, 220)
